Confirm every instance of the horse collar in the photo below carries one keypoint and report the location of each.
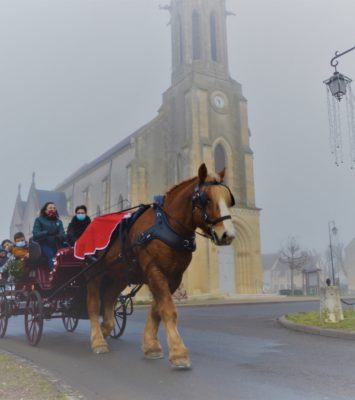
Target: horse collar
(162, 231)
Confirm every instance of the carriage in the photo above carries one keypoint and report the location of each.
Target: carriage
(42, 294)
(152, 246)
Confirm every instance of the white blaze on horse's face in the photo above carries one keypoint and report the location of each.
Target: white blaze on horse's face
(229, 230)
(225, 231)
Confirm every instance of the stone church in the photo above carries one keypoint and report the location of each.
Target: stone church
(203, 118)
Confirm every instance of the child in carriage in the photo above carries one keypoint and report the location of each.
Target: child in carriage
(15, 266)
(3, 260)
(7, 245)
(20, 249)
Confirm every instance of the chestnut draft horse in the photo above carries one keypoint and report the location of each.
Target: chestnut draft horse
(200, 202)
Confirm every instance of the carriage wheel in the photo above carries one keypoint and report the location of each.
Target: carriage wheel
(4, 314)
(34, 318)
(129, 305)
(70, 323)
(120, 319)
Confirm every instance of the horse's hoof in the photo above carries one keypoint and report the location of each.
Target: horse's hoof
(100, 350)
(181, 363)
(154, 355)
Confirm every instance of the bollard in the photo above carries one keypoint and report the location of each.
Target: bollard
(330, 305)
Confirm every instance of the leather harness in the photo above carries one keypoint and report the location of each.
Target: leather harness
(162, 230)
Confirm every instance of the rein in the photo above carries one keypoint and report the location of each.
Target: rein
(200, 201)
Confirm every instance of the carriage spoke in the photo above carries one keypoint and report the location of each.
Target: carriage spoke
(120, 320)
(70, 323)
(34, 318)
(3, 314)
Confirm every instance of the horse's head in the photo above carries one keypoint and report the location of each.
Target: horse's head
(211, 201)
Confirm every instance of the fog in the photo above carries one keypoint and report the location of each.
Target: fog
(77, 76)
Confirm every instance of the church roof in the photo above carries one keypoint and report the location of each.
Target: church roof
(87, 167)
(22, 207)
(105, 156)
(269, 260)
(58, 198)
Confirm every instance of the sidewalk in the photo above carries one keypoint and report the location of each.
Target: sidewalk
(22, 380)
(244, 299)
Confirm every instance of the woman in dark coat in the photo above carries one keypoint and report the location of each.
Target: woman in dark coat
(48, 231)
(78, 224)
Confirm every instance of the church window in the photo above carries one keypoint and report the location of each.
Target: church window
(69, 205)
(86, 198)
(106, 195)
(219, 158)
(120, 203)
(196, 36)
(179, 168)
(213, 29)
(181, 43)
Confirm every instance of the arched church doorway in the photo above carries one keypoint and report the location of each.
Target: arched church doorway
(226, 264)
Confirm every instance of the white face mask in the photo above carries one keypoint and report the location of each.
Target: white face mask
(21, 244)
(80, 217)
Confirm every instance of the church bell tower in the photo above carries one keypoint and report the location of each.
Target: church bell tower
(199, 40)
(206, 121)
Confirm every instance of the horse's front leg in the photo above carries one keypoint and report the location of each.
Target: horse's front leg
(151, 346)
(98, 343)
(158, 284)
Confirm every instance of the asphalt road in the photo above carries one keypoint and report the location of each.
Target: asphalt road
(238, 352)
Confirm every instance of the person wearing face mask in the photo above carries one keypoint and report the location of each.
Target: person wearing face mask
(78, 224)
(3, 261)
(3, 256)
(6, 256)
(7, 245)
(20, 250)
(48, 231)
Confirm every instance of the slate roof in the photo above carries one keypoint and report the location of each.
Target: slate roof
(269, 260)
(22, 207)
(87, 167)
(107, 155)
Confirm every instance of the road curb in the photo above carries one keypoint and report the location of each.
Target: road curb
(59, 384)
(315, 330)
(224, 302)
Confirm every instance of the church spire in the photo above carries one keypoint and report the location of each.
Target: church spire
(199, 39)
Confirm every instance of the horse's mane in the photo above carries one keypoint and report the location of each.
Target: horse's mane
(180, 185)
(183, 184)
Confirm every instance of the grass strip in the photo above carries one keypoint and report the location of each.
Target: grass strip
(312, 318)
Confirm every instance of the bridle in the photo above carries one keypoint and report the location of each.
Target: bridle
(200, 201)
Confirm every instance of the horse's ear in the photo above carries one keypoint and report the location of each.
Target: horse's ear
(222, 174)
(202, 173)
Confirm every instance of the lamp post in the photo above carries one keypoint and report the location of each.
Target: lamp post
(341, 116)
(338, 82)
(332, 229)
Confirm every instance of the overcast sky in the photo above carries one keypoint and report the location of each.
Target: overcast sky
(77, 76)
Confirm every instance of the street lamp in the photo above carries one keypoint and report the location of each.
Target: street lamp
(332, 229)
(338, 82)
(341, 116)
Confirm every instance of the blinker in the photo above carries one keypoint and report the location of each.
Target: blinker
(202, 196)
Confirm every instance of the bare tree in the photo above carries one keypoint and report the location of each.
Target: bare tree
(292, 256)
